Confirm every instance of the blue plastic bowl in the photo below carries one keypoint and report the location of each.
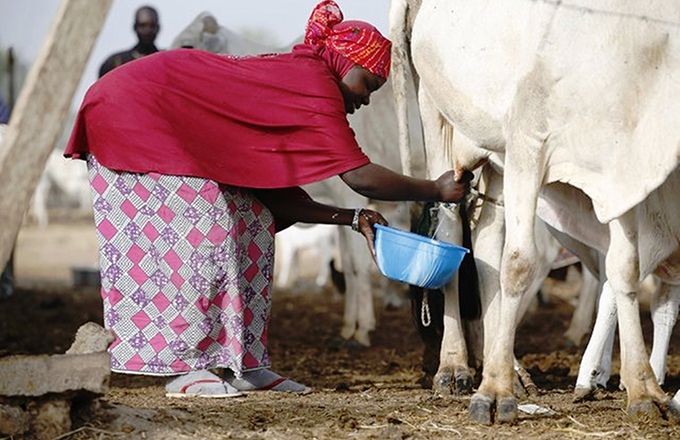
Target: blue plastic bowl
(414, 259)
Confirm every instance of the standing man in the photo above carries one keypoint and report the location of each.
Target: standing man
(146, 27)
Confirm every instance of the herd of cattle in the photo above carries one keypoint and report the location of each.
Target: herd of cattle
(567, 114)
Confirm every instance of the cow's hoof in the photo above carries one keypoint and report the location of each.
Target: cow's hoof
(582, 394)
(506, 410)
(643, 410)
(480, 409)
(463, 381)
(363, 339)
(353, 344)
(347, 332)
(443, 381)
(344, 344)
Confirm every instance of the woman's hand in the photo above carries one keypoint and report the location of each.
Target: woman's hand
(452, 189)
(368, 218)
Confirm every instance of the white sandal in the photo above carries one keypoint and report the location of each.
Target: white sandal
(277, 384)
(204, 385)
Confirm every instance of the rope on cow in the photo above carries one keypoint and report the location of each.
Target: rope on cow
(474, 192)
(426, 225)
(425, 317)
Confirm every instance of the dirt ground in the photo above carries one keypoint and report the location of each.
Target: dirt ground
(363, 393)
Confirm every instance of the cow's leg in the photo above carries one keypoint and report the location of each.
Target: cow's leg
(488, 238)
(516, 273)
(39, 202)
(581, 321)
(286, 251)
(523, 174)
(595, 368)
(664, 314)
(524, 384)
(351, 312)
(325, 249)
(547, 251)
(606, 358)
(622, 266)
(592, 368)
(606, 361)
(548, 248)
(453, 373)
(366, 322)
(394, 295)
(359, 318)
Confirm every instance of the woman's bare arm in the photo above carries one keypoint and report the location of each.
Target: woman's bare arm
(292, 205)
(380, 183)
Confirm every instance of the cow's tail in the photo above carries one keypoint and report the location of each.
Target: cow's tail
(401, 74)
(468, 282)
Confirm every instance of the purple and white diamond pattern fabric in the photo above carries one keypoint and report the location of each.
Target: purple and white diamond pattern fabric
(186, 270)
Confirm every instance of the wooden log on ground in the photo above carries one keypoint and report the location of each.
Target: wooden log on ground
(42, 108)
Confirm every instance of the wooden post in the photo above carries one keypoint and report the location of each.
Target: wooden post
(41, 110)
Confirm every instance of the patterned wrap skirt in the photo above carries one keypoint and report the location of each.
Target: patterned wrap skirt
(186, 269)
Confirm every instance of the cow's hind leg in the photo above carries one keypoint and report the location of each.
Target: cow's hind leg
(664, 315)
(359, 318)
(595, 365)
(453, 375)
(581, 321)
(594, 368)
(623, 275)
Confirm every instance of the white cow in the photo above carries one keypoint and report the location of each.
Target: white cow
(69, 178)
(453, 374)
(205, 33)
(595, 367)
(375, 129)
(298, 238)
(580, 100)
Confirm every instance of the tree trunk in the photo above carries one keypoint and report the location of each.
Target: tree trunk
(42, 107)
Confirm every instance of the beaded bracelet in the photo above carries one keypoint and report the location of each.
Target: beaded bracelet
(355, 219)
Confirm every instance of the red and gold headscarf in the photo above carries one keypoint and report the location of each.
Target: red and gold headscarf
(358, 41)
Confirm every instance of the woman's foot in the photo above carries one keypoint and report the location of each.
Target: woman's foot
(264, 380)
(200, 384)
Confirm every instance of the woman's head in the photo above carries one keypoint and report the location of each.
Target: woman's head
(349, 43)
(355, 50)
(357, 86)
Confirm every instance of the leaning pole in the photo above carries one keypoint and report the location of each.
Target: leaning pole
(42, 108)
